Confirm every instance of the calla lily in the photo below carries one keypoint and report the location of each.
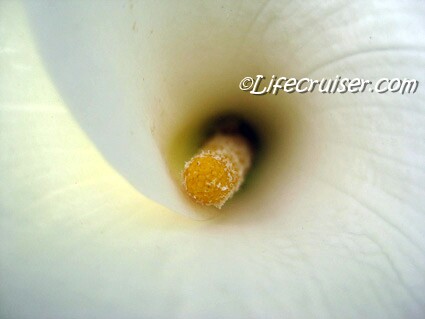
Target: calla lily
(102, 102)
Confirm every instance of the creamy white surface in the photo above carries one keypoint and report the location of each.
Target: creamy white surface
(334, 225)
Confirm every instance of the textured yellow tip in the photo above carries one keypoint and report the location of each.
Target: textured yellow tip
(213, 175)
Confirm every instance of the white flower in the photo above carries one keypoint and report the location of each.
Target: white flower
(331, 221)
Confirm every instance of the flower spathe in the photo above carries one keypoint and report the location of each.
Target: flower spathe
(331, 224)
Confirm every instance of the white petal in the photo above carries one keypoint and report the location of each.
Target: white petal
(331, 224)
